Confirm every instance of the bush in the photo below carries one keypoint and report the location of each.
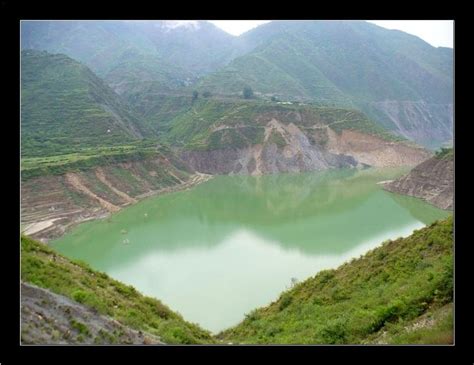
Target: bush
(334, 332)
(248, 92)
(80, 296)
(285, 301)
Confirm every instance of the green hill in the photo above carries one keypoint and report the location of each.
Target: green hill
(45, 268)
(332, 60)
(135, 74)
(400, 292)
(399, 80)
(233, 123)
(64, 106)
(127, 53)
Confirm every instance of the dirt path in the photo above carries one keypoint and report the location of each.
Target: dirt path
(74, 180)
(101, 176)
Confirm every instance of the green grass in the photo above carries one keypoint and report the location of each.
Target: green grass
(87, 158)
(44, 267)
(420, 330)
(445, 153)
(390, 285)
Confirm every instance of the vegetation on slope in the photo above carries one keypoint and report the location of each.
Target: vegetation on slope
(64, 106)
(445, 153)
(160, 49)
(386, 290)
(231, 123)
(86, 158)
(137, 73)
(337, 61)
(44, 267)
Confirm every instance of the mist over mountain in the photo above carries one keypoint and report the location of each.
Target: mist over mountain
(397, 79)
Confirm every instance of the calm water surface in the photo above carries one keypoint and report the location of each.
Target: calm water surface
(216, 252)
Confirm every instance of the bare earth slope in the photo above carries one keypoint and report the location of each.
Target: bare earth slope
(258, 138)
(51, 204)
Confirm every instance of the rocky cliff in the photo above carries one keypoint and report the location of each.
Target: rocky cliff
(432, 181)
(288, 147)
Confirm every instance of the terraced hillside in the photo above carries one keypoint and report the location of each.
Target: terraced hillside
(402, 82)
(398, 293)
(220, 136)
(58, 192)
(132, 55)
(65, 107)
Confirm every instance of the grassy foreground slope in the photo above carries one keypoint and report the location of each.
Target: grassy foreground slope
(45, 268)
(400, 292)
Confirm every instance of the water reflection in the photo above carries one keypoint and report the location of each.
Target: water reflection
(234, 243)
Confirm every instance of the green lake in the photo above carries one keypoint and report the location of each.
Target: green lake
(234, 243)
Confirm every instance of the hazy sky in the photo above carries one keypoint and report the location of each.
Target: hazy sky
(436, 32)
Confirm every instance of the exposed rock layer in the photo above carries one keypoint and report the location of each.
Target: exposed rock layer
(432, 180)
(51, 204)
(299, 148)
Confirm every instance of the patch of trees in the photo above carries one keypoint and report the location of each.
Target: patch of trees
(248, 92)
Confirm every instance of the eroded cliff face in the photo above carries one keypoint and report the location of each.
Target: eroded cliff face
(432, 181)
(51, 204)
(425, 123)
(292, 148)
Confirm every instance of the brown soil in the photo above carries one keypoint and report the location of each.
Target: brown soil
(75, 181)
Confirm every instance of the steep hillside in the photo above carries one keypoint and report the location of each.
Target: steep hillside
(58, 192)
(251, 137)
(350, 63)
(198, 47)
(98, 44)
(135, 73)
(127, 53)
(399, 80)
(103, 295)
(432, 181)
(64, 106)
(48, 318)
(400, 292)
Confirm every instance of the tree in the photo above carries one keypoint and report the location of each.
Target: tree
(248, 92)
(274, 98)
(195, 95)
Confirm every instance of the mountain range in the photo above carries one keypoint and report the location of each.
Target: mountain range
(397, 79)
